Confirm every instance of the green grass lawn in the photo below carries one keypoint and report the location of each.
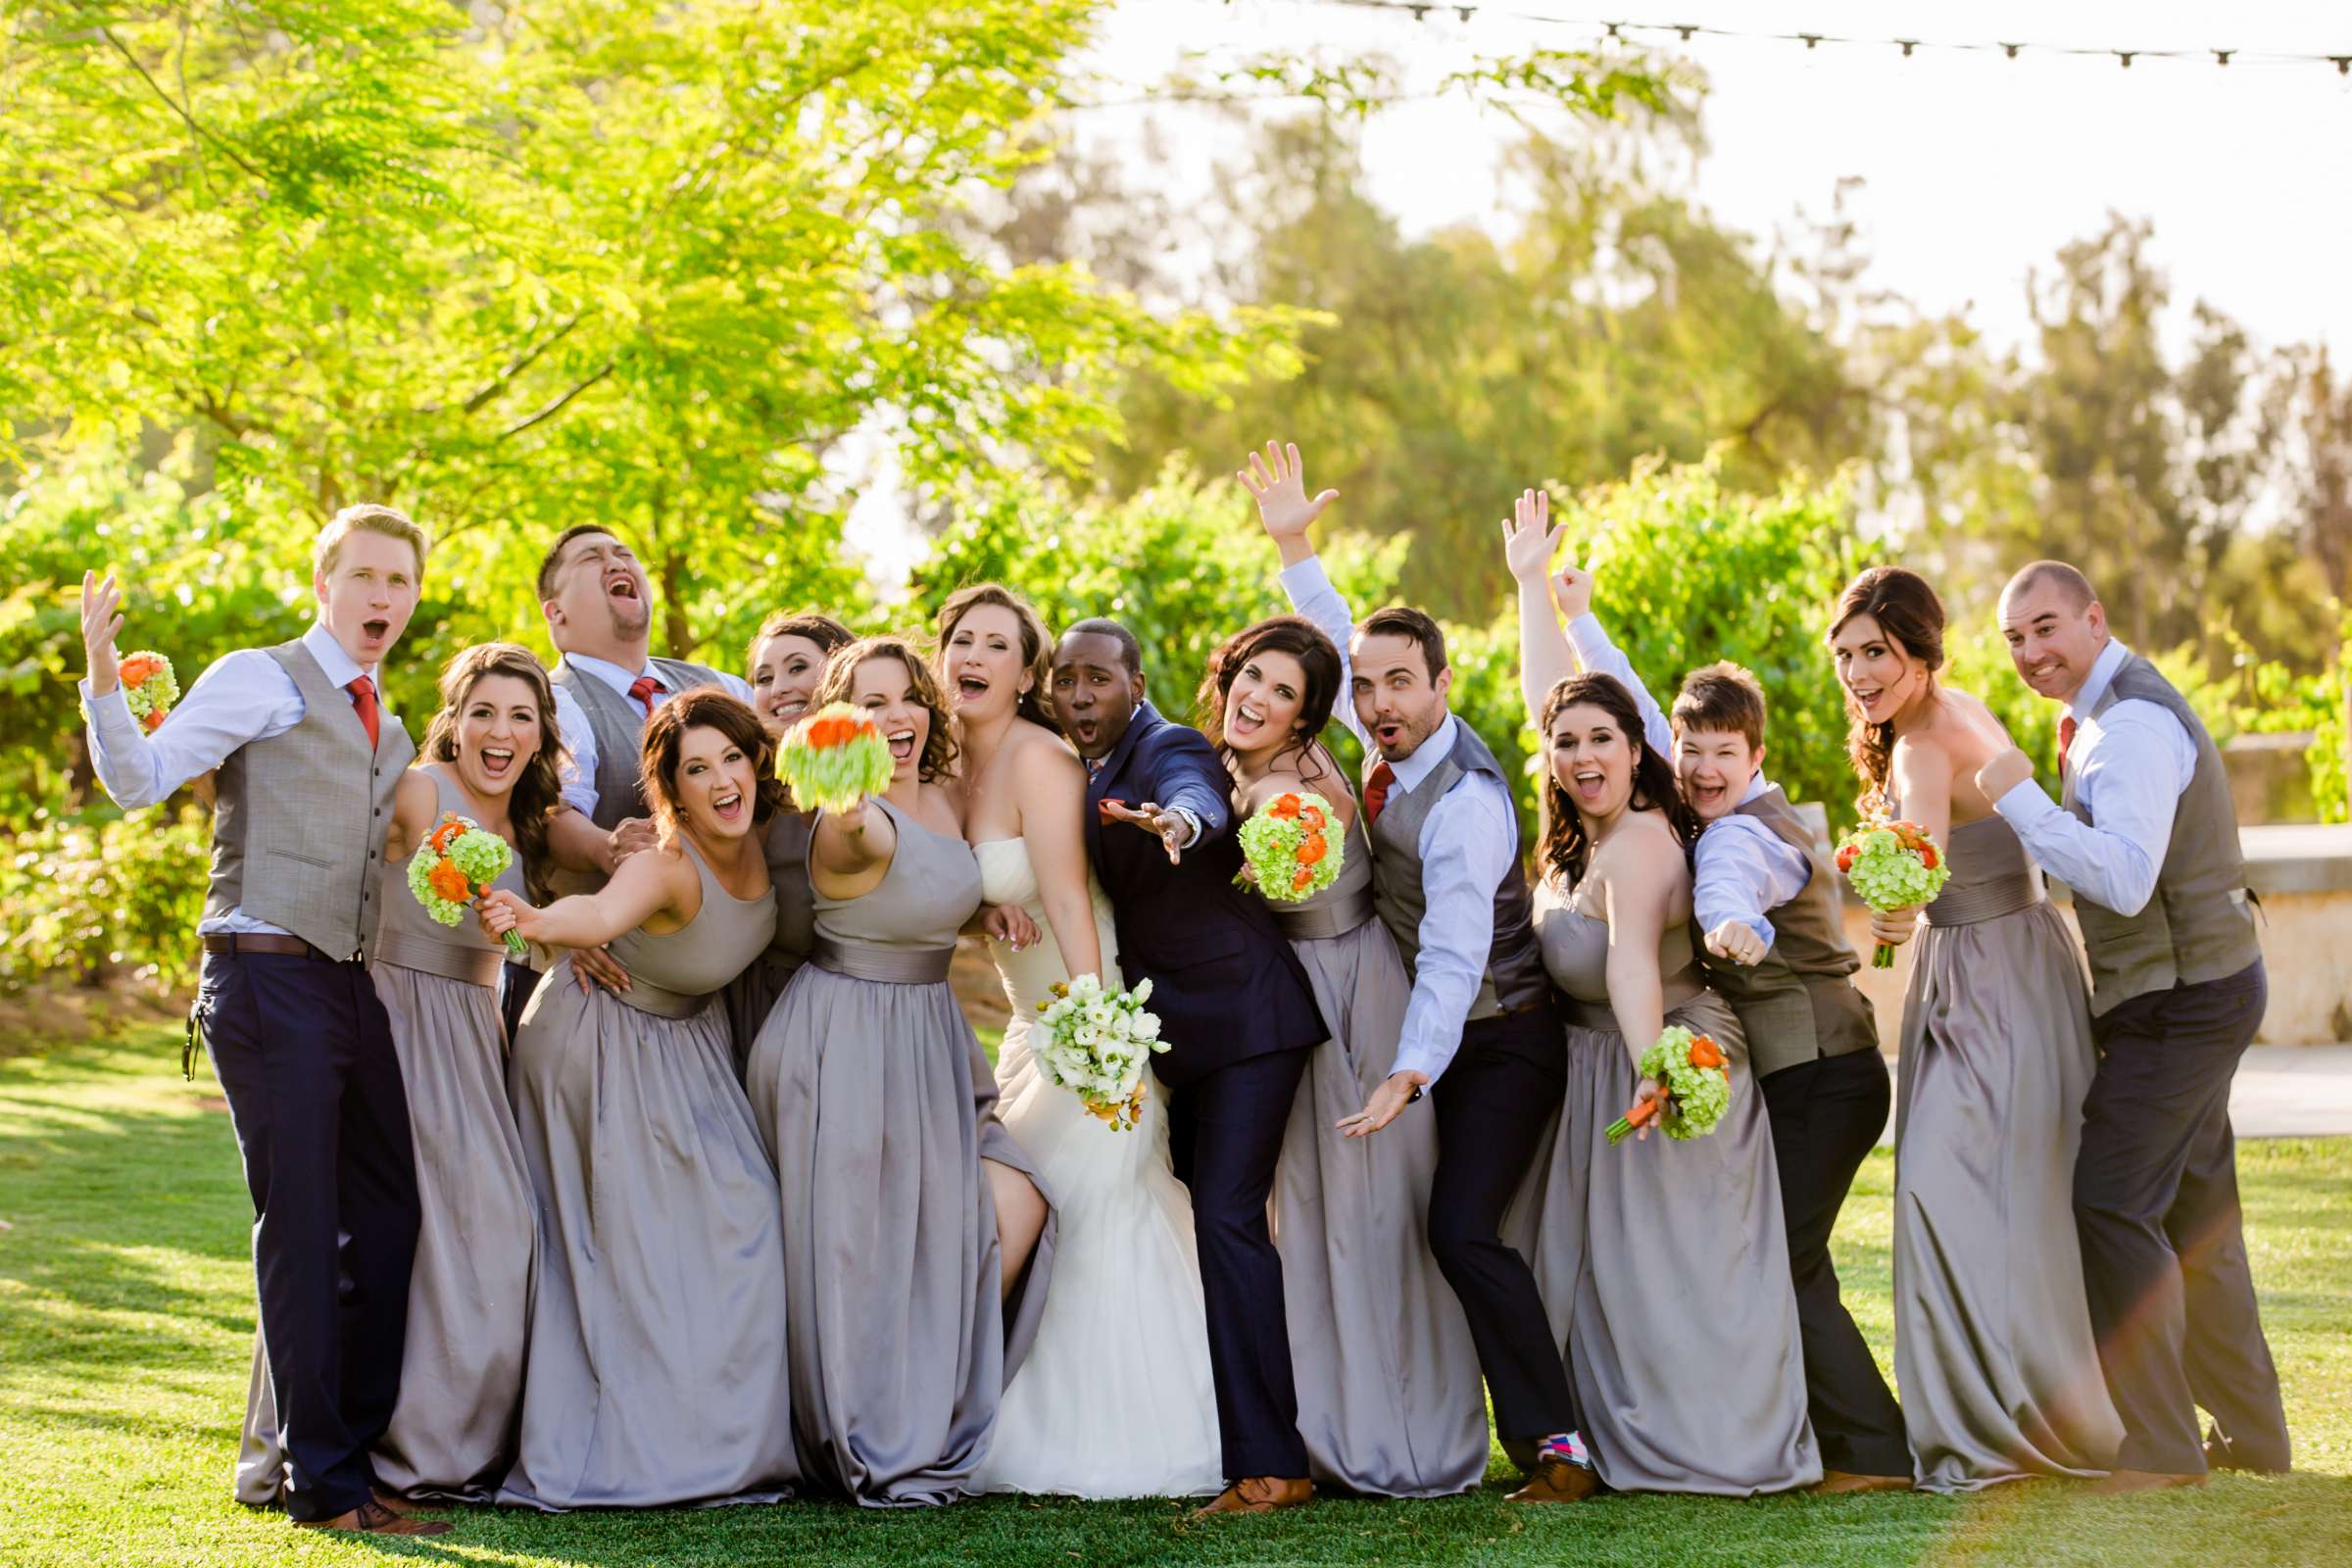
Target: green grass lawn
(126, 1316)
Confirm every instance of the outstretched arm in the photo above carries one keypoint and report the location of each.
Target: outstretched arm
(1529, 541)
(1277, 484)
(641, 887)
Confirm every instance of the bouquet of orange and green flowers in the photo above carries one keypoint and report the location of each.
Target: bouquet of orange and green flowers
(1288, 847)
(1695, 1086)
(454, 865)
(1892, 864)
(834, 758)
(148, 687)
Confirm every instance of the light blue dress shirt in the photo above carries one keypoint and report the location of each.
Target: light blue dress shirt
(1741, 869)
(242, 698)
(2130, 765)
(1469, 843)
(579, 737)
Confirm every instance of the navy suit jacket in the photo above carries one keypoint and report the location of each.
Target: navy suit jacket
(1225, 982)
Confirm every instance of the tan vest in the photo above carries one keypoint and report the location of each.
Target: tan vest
(2197, 925)
(619, 727)
(1798, 1004)
(1515, 978)
(305, 813)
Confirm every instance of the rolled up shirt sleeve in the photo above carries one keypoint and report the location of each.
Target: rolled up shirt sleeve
(2133, 776)
(1741, 869)
(1312, 595)
(240, 698)
(578, 769)
(1469, 845)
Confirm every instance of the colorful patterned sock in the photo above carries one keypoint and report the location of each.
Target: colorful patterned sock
(1568, 1446)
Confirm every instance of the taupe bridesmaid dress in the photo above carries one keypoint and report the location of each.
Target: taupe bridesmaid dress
(751, 996)
(880, 1106)
(1993, 1354)
(461, 1381)
(656, 1355)
(1391, 1401)
(1665, 1264)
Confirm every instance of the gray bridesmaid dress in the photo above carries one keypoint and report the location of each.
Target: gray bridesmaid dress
(879, 1106)
(1994, 1353)
(656, 1354)
(1390, 1402)
(461, 1380)
(1664, 1264)
(750, 995)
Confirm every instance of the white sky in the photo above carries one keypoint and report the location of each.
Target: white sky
(1976, 168)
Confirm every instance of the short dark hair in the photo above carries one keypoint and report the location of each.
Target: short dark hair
(1102, 626)
(2080, 595)
(1402, 620)
(709, 708)
(554, 555)
(1722, 697)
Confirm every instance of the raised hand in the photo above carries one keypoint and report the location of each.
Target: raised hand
(1528, 540)
(101, 623)
(1275, 480)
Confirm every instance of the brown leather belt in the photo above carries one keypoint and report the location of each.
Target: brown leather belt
(258, 942)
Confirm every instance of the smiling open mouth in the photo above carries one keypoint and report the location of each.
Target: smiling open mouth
(497, 760)
(621, 586)
(727, 803)
(970, 687)
(902, 746)
(376, 630)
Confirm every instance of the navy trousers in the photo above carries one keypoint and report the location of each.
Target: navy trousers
(304, 1055)
(1224, 1136)
(1493, 1105)
(1826, 1114)
(2164, 1246)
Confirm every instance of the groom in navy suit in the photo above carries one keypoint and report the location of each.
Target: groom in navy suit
(1236, 1011)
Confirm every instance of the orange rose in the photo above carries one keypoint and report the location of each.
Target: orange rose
(1312, 849)
(1705, 1052)
(136, 669)
(1302, 881)
(448, 833)
(1312, 818)
(450, 882)
(154, 721)
(1285, 806)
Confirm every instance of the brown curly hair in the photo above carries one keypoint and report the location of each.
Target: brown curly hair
(539, 787)
(1565, 851)
(1317, 656)
(705, 707)
(841, 671)
(1911, 615)
(1037, 644)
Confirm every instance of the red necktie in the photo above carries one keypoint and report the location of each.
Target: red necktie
(1376, 792)
(363, 703)
(644, 689)
(2066, 740)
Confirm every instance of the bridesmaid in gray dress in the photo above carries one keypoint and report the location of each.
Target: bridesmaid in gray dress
(1390, 1395)
(657, 1352)
(920, 1243)
(787, 658)
(1664, 1264)
(1993, 1354)
(489, 754)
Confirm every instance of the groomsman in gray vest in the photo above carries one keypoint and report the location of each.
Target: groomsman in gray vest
(307, 759)
(1767, 906)
(1481, 1035)
(2146, 838)
(598, 609)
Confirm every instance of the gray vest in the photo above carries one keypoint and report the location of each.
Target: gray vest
(620, 732)
(306, 811)
(1515, 978)
(2196, 926)
(1798, 1004)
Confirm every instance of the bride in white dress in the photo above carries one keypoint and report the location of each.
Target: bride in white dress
(1114, 1400)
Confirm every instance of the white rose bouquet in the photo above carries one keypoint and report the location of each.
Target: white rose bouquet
(1096, 1043)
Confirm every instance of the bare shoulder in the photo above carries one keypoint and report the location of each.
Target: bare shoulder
(1643, 849)
(1038, 754)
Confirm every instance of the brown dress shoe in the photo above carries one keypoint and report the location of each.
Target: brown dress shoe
(2122, 1481)
(1841, 1483)
(396, 1502)
(1556, 1480)
(1260, 1495)
(376, 1519)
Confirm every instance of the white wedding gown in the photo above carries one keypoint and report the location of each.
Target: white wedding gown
(1114, 1400)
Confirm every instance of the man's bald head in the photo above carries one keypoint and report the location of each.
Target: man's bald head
(2055, 628)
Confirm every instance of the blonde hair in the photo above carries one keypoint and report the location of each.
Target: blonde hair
(367, 517)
